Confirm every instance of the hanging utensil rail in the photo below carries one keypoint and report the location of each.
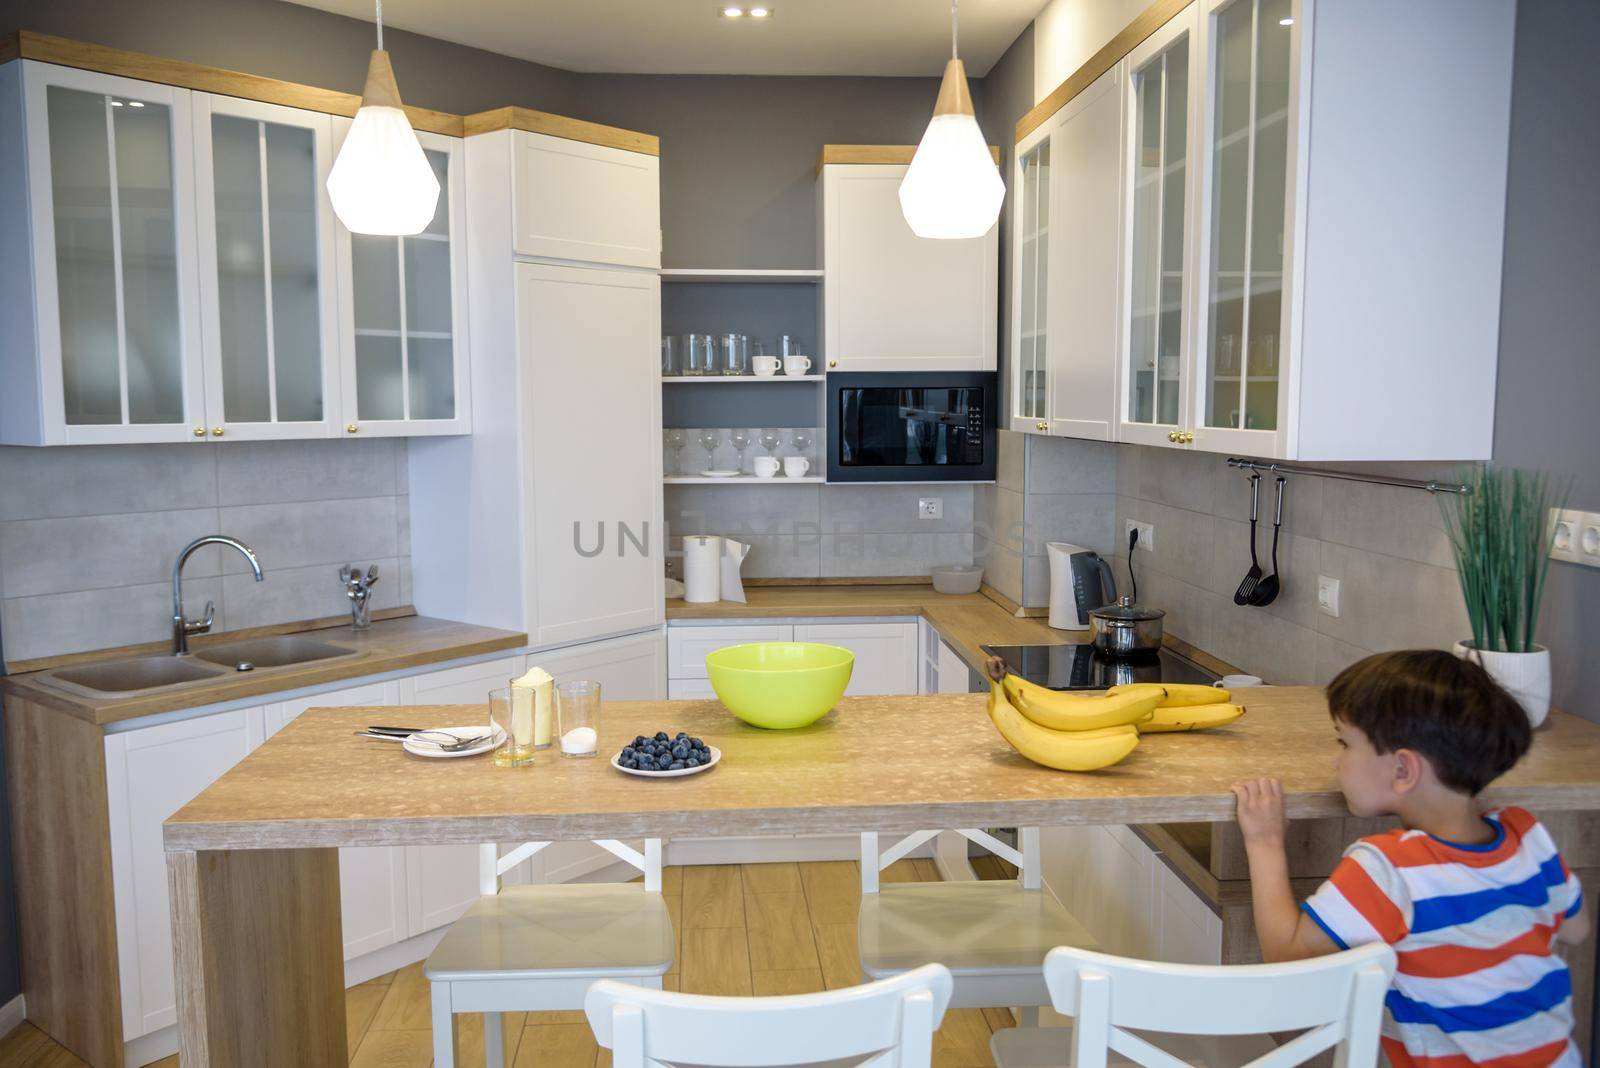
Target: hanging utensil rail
(1376, 480)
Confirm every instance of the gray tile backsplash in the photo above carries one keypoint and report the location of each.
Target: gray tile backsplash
(88, 536)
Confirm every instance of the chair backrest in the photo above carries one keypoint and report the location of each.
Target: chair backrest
(1336, 999)
(1025, 858)
(891, 1022)
(492, 863)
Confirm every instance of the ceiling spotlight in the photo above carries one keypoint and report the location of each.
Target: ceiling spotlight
(136, 103)
(732, 12)
(1286, 22)
(760, 12)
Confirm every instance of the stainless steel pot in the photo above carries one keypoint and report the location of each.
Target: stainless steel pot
(1125, 628)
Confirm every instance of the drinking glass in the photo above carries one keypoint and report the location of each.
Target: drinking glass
(708, 441)
(740, 440)
(578, 713)
(669, 355)
(735, 351)
(801, 439)
(675, 439)
(770, 440)
(700, 354)
(789, 345)
(516, 732)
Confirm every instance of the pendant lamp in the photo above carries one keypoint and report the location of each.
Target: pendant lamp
(381, 183)
(952, 190)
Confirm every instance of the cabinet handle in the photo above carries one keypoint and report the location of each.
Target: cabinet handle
(199, 431)
(833, 363)
(216, 431)
(1172, 436)
(351, 428)
(1041, 425)
(1188, 437)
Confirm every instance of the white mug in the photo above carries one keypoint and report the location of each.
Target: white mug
(1233, 682)
(766, 366)
(766, 466)
(796, 365)
(796, 466)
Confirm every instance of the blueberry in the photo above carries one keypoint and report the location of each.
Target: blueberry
(628, 751)
(680, 751)
(676, 765)
(692, 762)
(663, 760)
(638, 741)
(661, 736)
(695, 743)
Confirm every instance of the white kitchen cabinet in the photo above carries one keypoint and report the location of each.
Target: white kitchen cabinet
(687, 646)
(584, 202)
(100, 336)
(631, 668)
(892, 301)
(886, 654)
(267, 269)
(151, 773)
(1033, 193)
(1187, 930)
(690, 690)
(403, 314)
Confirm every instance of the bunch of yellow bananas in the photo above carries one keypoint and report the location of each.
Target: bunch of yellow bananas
(1078, 732)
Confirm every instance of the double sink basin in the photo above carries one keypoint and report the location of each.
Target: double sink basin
(138, 676)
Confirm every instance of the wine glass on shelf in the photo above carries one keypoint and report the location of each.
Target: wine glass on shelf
(770, 439)
(708, 441)
(740, 440)
(676, 438)
(801, 439)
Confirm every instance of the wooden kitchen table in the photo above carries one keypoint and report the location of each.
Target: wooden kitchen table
(253, 861)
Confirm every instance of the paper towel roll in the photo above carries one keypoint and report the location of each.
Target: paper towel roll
(702, 568)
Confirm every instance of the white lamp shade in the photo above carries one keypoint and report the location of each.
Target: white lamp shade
(381, 182)
(952, 190)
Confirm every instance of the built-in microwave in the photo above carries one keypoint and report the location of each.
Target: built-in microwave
(917, 426)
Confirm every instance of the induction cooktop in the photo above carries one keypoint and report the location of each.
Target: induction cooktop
(1083, 667)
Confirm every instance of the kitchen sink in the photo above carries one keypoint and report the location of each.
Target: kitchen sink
(129, 678)
(282, 651)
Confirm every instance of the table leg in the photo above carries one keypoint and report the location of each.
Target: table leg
(258, 956)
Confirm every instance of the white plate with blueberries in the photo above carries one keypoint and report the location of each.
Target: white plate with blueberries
(664, 757)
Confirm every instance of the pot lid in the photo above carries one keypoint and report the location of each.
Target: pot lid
(1125, 611)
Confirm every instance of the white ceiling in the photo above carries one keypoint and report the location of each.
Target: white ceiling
(872, 37)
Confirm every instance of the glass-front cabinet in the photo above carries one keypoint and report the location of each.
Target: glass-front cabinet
(405, 365)
(267, 266)
(1246, 180)
(1158, 184)
(114, 311)
(1030, 292)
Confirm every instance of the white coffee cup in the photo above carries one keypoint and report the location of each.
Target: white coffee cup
(766, 466)
(1234, 682)
(796, 365)
(796, 466)
(766, 366)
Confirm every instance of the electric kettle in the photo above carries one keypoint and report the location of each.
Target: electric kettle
(1080, 582)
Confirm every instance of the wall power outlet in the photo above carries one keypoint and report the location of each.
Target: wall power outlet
(1147, 535)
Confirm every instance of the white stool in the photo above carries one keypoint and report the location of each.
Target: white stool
(992, 935)
(891, 1022)
(1206, 1014)
(533, 948)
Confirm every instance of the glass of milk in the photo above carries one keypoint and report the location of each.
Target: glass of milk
(578, 717)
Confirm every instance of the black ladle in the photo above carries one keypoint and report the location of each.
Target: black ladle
(1247, 586)
(1266, 590)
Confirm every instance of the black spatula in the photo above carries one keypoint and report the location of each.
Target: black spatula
(1247, 586)
(1267, 589)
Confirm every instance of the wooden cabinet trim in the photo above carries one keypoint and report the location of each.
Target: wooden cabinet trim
(542, 122)
(1132, 35)
(892, 155)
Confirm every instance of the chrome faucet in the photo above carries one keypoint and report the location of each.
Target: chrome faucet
(181, 627)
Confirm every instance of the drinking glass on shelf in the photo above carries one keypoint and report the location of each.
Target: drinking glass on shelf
(669, 355)
(801, 439)
(578, 713)
(770, 439)
(735, 351)
(740, 440)
(708, 441)
(700, 354)
(675, 439)
(789, 345)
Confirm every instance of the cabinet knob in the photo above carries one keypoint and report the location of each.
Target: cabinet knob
(833, 363)
(1188, 437)
(1172, 435)
(1041, 425)
(351, 428)
(199, 431)
(216, 432)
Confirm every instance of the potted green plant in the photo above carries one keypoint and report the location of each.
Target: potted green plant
(1500, 533)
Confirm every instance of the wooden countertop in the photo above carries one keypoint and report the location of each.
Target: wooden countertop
(966, 621)
(388, 645)
(887, 763)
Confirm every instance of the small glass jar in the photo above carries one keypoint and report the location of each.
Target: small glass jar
(578, 717)
(735, 354)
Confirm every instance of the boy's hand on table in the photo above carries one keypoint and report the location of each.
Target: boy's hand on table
(1261, 818)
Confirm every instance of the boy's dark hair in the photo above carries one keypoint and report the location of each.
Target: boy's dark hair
(1448, 709)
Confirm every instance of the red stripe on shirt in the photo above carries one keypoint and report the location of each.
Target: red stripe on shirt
(1352, 880)
(1538, 1057)
(1443, 962)
(1419, 850)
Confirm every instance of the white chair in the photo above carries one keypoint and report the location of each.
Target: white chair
(884, 1025)
(1202, 1011)
(534, 948)
(992, 934)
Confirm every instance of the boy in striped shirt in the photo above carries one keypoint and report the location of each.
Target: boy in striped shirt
(1471, 901)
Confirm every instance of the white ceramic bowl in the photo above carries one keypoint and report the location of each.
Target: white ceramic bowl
(957, 578)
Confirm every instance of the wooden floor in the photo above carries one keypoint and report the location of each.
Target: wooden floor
(742, 929)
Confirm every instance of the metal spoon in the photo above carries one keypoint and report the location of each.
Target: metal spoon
(1247, 585)
(1266, 590)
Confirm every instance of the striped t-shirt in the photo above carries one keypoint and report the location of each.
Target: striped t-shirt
(1477, 982)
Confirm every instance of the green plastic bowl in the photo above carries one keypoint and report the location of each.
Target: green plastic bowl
(780, 685)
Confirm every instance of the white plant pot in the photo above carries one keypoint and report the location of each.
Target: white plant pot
(1526, 676)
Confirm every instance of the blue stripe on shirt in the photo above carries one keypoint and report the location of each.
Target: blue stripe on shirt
(1547, 994)
(1451, 910)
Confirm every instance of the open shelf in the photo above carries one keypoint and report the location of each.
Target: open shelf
(734, 380)
(742, 480)
(718, 274)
